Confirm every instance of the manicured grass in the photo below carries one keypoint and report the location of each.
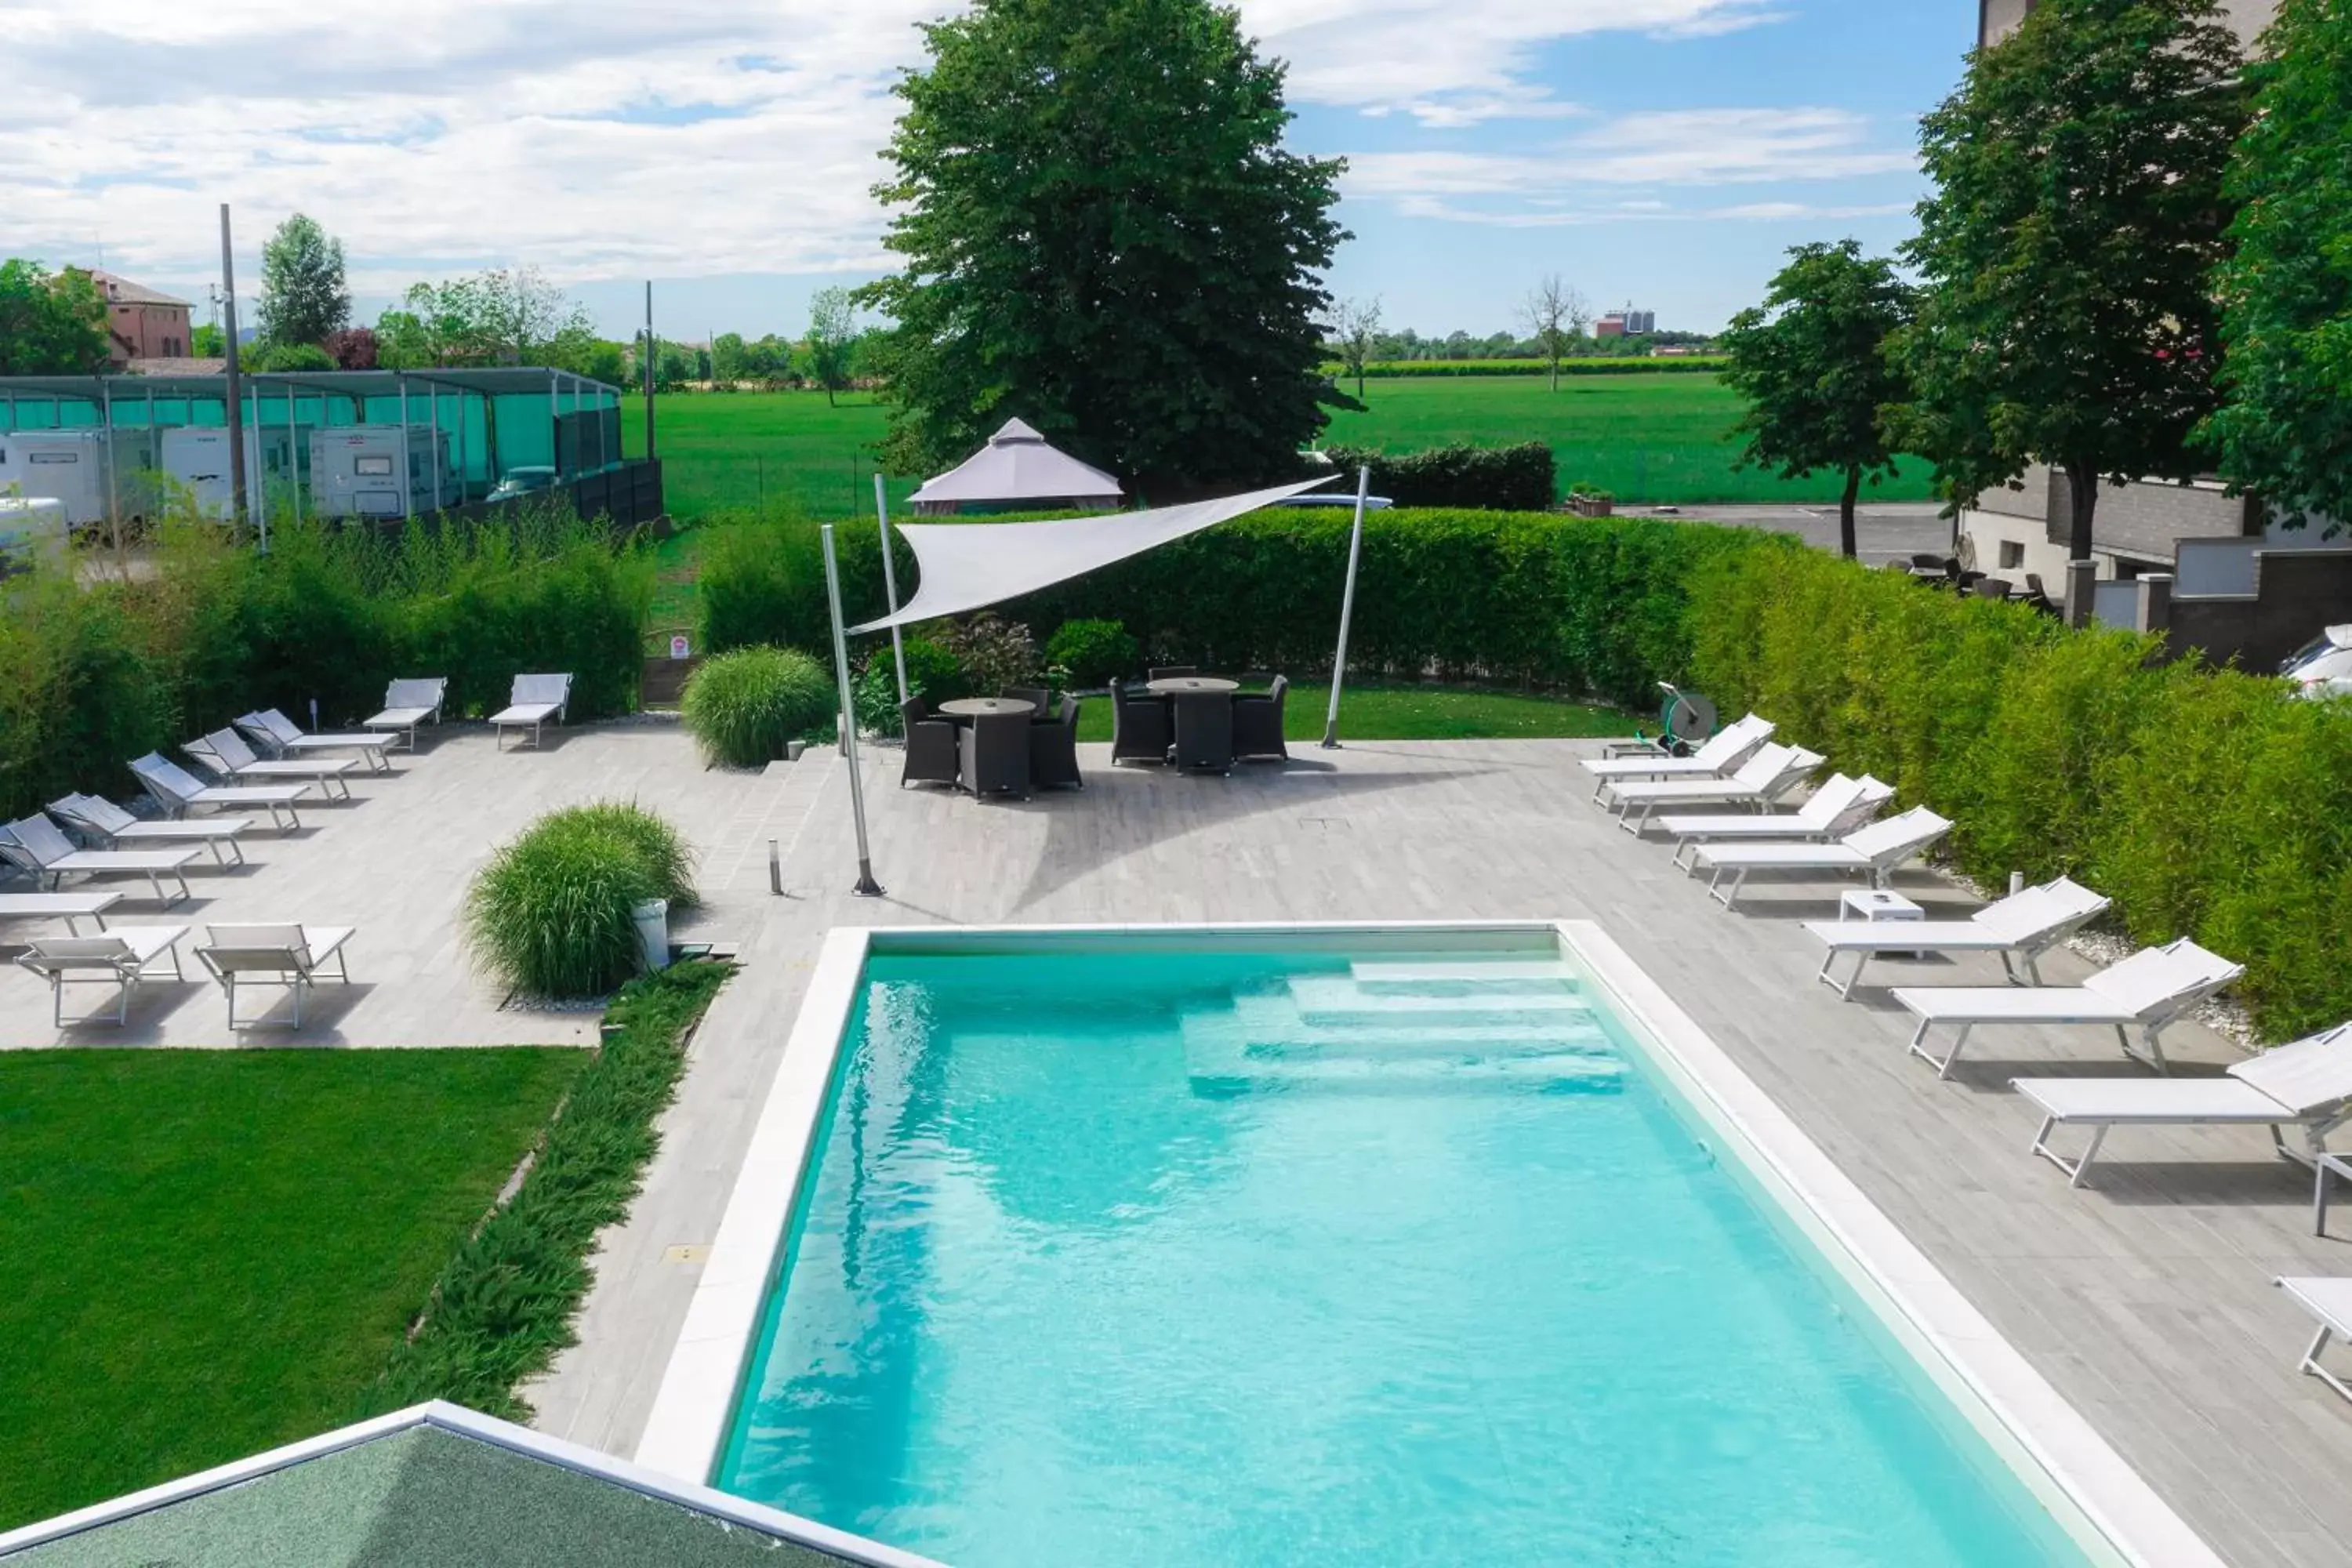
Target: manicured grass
(1375, 712)
(210, 1253)
(1652, 439)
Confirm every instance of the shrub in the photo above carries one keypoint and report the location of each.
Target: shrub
(1520, 478)
(743, 706)
(993, 654)
(932, 671)
(550, 915)
(874, 696)
(1094, 651)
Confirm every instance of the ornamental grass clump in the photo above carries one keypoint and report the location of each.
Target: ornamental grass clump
(743, 706)
(550, 915)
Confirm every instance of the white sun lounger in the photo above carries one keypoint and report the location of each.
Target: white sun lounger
(36, 845)
(2329, 1301)
(1872, 852)
(2306, 1085)
(178, 790)
(2149, 990)
(408, 704)
(120, 959)
(226, 752)
(1724, 751)
(103, 819)
(1770, 771)
(287, 955)
(1833, 811)
(282, 737)
(534, 700)
(70, 908)
(2021, 928)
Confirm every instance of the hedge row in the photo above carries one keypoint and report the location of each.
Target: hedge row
(2206, 802)
(93, 674)
(1520, 478)
(1630, 364)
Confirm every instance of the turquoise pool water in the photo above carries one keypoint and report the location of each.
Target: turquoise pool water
(1149, 1258)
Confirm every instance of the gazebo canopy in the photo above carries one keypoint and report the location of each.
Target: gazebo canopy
(1018, 469)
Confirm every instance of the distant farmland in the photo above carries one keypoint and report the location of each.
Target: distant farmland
(1648, 439)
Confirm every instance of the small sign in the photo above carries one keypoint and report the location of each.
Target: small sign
(679, 648)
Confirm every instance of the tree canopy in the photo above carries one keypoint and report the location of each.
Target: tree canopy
(832, 339)
(497, 318)
(1102, 234)
(303, 295)
(1812, 360)
(2067, 314)
(51, 323)
(2286, 322)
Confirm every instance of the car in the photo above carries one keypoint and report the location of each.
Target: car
(2322, 667)
(519, 482)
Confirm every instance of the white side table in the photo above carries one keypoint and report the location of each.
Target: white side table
(1878, 904)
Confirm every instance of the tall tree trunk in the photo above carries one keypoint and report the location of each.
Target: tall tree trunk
(2083, 502)
(1845, 512)
(1554, 372)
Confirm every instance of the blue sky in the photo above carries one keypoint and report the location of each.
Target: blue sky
(1662, 152)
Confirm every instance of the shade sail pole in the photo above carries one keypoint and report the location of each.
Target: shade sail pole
(891, 580)
(867, 887)
(1346, 609)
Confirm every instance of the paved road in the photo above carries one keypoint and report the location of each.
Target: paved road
(1891, 531)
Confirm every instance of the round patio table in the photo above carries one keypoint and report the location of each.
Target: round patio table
(1192, 686)
(985, 707)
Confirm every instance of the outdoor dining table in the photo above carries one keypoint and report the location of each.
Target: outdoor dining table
(985, 707)
(1204, 718)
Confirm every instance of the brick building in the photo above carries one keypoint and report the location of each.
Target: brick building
(141, 323)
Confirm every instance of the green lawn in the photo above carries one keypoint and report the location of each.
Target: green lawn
(1373, 712)
(1654, 439)
(210, 1253)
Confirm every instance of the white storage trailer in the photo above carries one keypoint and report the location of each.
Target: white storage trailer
(195, 458)
(377, 470)
(68, 467)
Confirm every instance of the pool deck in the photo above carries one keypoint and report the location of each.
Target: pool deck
(2144, 1299)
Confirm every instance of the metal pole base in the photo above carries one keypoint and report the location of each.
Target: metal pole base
(867, 888)
(1330, 741)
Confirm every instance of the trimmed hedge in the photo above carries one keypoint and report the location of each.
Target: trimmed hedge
(2210, 804)
(1520, 478)
(94, 674)
(503, 1307)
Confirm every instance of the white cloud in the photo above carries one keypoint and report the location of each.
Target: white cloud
(697, 137)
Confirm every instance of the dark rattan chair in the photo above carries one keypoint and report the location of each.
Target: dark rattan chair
(1257, 722)
(994, 752)
(1138, 727)
(1173, 671)
(1204, 731)
(930, 745)
(1040, 700)
(1054, 750)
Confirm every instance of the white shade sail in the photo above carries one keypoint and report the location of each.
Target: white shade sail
(969, 566)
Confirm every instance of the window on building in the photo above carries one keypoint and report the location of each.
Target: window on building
(2012, 553)
(372, 466)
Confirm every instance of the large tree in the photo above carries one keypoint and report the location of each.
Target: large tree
(2286, 431)
(2067, 314)
(1355, 336)
(496, 318)
(1812, 360)
(50, 323)
(832, 338)
(1555, 315)
(303, 295)
(1104, 235)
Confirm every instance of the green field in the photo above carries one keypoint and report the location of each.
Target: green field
(1648, 439)
(211, 1253)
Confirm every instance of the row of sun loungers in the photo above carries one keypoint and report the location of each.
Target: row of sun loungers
(288, 764)
(2304, 1088)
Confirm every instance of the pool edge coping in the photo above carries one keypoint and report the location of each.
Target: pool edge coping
(694, 1405)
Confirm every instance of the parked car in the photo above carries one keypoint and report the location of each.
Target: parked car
(519, 482)
(2322, 667)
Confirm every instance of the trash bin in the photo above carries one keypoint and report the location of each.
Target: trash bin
(653, 931)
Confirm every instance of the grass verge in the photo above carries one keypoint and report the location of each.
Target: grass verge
(210, 1253)
(503, 1306)
(1384, 712)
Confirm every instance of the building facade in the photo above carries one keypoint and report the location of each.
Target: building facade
(141, 323)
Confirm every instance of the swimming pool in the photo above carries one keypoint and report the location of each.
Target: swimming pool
(1387, 1246)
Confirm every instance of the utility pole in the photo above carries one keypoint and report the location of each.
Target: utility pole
(649, 368)
(233, 399)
